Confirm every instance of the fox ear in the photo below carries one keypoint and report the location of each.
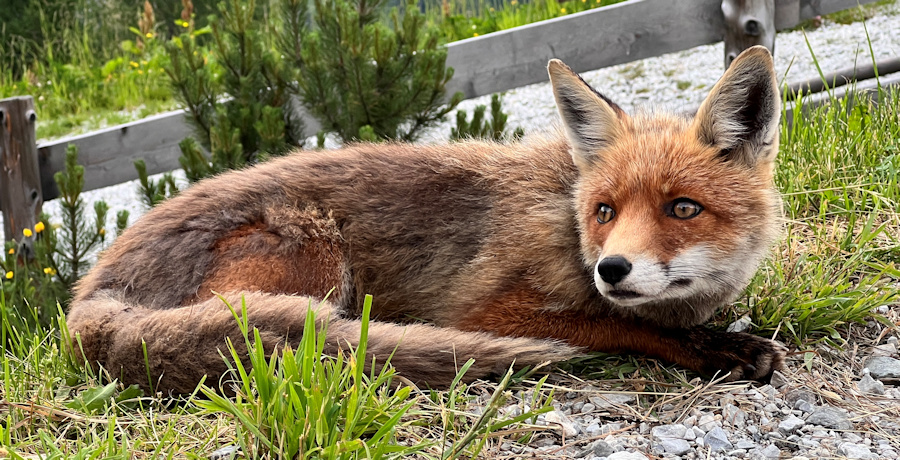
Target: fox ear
(591, 121)
(741, 114)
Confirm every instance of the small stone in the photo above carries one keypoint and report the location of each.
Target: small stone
(690, 435)
(804, 406)
(745, 444)
(741, 325)
(698, 432)
(690, 421)
(225, 453)
(887, 349)
(733, 415)
(668, 431)
(768, 391)
(512, 411)
(610, 401)
(569, 428)
(593, 429)
(869, 385)
(893, 339)
(675, 446)
(767, 453)
(790, 424)
(856, 451)
(627, 456)
(778, 380)
(717, 440)
(588, 408)
(830, 417)
(708, 422)
(601, 448)
(576, 408)
(793, 396)
(882, 367)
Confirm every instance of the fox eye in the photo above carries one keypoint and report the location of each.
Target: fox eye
(684, 208)
(605, 213)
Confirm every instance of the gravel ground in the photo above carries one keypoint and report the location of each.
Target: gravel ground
(853, 412)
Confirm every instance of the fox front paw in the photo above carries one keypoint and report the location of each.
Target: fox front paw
(741, 356)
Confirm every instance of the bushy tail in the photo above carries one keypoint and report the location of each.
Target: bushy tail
(183, 344)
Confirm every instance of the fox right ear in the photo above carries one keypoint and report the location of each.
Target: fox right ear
(591, 121)
(741, 114)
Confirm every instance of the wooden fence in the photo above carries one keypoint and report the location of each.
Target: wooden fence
(500, 61)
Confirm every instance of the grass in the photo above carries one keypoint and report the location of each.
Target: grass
(838, 261)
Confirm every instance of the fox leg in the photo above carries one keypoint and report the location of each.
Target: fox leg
(740, 355)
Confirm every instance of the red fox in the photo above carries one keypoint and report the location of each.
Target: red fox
(620, 234)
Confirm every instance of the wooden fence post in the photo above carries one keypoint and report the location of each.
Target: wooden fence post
(20, 181)
(748, 23)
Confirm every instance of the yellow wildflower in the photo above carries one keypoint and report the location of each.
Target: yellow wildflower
(475, 34)
(102, 231)
(9, 275)
(49, 271)
(185, 24)
(12, 251)
(27, 232)
(562, 10)
(39, 227)
(134, 64)
(140, 72)
(149, 35)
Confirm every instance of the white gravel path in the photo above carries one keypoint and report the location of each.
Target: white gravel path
(676, 81)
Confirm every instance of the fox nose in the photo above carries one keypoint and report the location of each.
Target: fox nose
(613, 269)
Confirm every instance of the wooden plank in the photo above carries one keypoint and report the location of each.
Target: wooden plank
(602, 37)
(20, 185)
(589, 40)
(108, 155)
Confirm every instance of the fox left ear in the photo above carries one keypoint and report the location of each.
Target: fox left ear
(591, 121)
(741, 114)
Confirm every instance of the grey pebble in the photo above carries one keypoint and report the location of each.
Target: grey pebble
(674, 446)
(587, 408)
(717, 439)
(769, 452)
(609, 401)
(856, 451)
(882, 367)
(790, 424)
(627, 456)
(225, 453)
(668, 431)
(830, 417)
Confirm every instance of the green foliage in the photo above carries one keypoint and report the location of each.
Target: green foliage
(239, 61)
(461, 19)
(359, 72)
(479, 128)
(838, 172)
(34, 282)
(154, 192)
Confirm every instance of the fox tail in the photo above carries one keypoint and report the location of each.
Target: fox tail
(185, 344)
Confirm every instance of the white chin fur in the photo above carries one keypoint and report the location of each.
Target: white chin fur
(653, 282)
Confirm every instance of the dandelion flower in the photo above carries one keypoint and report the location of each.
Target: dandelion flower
(562, 10)
(9, 275)
(475, 34)
(185, 24)
(149, 35)
(134, 64)
(49, 271)
(12, 251)
(27, 232)
(39, 227)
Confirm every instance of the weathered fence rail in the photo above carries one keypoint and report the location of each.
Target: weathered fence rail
(500, 61)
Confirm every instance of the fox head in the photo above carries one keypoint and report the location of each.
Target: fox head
(675, 214)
